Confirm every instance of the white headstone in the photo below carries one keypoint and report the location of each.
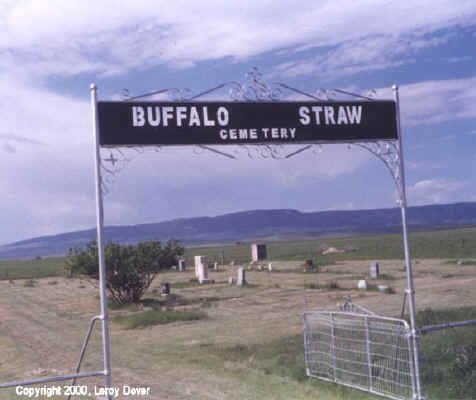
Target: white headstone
(374, 270)
(362, 284)
(270, 267)
(200, 263)
(215, 266)
(383, 288)
(241, 280)
(203, 273)
(231, 280)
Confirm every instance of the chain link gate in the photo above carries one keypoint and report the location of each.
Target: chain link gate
(362, 350)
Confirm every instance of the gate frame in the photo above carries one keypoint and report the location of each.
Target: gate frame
(358, 311)
(256, 90)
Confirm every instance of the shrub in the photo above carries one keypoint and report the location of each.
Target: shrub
(130, 268)
(30, 283)
(333, 285)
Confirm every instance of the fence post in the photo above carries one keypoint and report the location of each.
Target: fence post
(306, 343)
(408, 262)
(333, 349)
(369, 358)
(410, 362)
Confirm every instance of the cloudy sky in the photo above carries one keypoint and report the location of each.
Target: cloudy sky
(52, 50)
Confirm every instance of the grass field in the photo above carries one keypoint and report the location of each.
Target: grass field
(453, 244)
(32, 269)
(245, 344)
(219, 341)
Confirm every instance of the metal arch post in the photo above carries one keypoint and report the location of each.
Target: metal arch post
(408, 264)
(100, 242)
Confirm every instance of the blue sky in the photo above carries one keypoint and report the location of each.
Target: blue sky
(51, 51)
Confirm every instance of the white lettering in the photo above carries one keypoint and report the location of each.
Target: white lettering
(342, 116)
(223, 116)
(153, 116)
(206, 120)
(103, 391)
(275, 133)
(243, 133)
(265, 132)
(253, 134)
(138, 116)
(354, 113)
(180, 115)
(135, 391)
(233, 134)
(194, 118)
(317, 110)
(329, 115)
(167, 113)
(304, 114)
(293, 132)
(223, 134)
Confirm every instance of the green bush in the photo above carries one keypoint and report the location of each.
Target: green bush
(130, 268)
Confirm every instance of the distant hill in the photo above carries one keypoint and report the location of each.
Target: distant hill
(249, 225)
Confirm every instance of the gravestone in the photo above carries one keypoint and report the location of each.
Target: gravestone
(362, 284)
(374, 270)
(215, 266)
(270, 267)
(181, 265)
(231, 280)
(200, 261)
(165, 289)
(258, 252)
(383, 288)
(203, 274)
(241, 279)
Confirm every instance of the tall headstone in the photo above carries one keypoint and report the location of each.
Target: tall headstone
(215, 266)
(258, 252)
(181, 264)
(200, 262)
(203, 273)
(241, 279)
(374, 270)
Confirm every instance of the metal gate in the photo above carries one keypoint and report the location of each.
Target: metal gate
(361, 350)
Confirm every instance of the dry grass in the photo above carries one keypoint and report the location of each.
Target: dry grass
(236, 353)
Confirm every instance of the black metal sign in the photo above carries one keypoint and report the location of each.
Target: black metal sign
(187, 123)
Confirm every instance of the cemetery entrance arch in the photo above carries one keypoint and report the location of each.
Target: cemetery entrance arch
(272, 120)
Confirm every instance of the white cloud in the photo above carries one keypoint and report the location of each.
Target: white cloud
(59, 37)
(365, 53)
(438, 190)
(46, 164)
(431, 102)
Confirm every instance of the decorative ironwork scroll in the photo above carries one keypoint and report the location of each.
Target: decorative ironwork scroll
(254, 88)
